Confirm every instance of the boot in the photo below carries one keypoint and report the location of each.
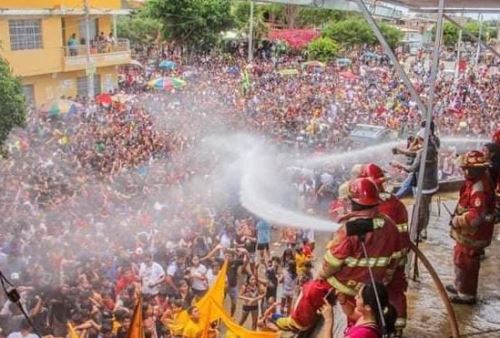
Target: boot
(451, 289)
(463, 299)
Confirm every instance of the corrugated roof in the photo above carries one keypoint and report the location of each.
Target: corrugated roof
(449, 4)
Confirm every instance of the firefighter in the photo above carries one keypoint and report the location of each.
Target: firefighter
(396, 210)
(344, 265)
(471, 226)
(345, 268)
(494, 155)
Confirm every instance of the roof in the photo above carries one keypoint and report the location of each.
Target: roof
(450, 5)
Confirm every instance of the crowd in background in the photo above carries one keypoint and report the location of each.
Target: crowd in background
(112, 201)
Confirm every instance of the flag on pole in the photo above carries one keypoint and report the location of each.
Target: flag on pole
(136, 329)
(72, 332)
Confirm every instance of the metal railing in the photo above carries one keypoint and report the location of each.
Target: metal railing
(96, 48)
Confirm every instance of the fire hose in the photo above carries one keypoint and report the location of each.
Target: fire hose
(440, 289)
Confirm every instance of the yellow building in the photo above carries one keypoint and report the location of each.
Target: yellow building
(45, 43)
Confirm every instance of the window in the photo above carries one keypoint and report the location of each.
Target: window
(81, 85)
(25, 34)
(29, 93)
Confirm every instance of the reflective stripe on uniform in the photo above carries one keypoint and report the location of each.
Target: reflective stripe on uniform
(402, 227)
(468, 241)
(332, 260)
(378, 223)
(341, 287)
(379, 262)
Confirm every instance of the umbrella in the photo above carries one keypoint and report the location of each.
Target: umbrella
(166, 64)
(167, 83)
(348, 76)
(233, 70)
(313, 64)
(62, 107)
(122, 98)
(344, 61)
(135, 63)
(288, 72)
(104, 99)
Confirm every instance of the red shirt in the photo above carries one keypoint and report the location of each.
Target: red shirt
(363, 331)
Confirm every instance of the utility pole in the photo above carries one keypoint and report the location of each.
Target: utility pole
(480, 37)
(459, 48)
(89, 67)
(250, 34)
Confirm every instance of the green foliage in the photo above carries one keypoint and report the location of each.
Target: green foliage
(139, 28)
(474, 27)
(241, 17)
(12, 102)
(450, 34)
(317, 17)
(391, 34)
(323, 49)
(356, 31)
(195, 23)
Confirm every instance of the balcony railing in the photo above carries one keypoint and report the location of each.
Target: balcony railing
(101, 54)
(104, 47)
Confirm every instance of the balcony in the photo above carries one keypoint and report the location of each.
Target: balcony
(101, 55)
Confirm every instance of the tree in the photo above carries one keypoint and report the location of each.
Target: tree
(139, 28)
(356, 31)
(317, 17)
(194, 23)
(241, 17)
(450, 34)
(323, 49)
(13, 104)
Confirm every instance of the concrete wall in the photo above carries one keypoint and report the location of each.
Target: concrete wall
(50, 87)
(35, 61)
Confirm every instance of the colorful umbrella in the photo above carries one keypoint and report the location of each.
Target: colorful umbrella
(135, 63)
(62, 107)
(168, 65)
(348, 76)
(104, 99)
(167, 83)
(313, 64)
(288, 72)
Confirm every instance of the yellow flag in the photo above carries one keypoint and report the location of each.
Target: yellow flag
(136, 329)
(72, 332)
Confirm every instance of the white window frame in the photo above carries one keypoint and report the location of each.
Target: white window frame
(25, 34)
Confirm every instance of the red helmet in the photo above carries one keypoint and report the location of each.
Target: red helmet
(373, 171)
(496, 137)
(472, 159)
(364, 191)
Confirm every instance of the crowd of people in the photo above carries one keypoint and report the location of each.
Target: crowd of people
(118, 201)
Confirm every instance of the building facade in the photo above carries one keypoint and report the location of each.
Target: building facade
(45, 42)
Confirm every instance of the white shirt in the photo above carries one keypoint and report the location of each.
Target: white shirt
(19, 335)
(197, 273)
(151, 275)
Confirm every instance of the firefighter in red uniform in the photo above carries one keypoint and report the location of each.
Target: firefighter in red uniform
(396, 210)
(344, 265)
(496, 181)
(344, 269)
(472, 227)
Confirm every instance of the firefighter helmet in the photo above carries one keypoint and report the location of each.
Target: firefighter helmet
(364, 191)
(496, 137)
(474, 158)
(373, 171)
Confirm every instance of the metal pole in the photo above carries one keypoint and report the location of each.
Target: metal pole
(480, 34)
(369, 18)
(430, 102)
(90, 73)
(250, 34)
(459, 47)
(472, 36)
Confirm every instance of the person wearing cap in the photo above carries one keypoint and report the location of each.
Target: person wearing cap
(430, 182)
(471, 226)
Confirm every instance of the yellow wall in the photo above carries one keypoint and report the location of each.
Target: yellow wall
(111, 4)
(35, 61)
(50, 87)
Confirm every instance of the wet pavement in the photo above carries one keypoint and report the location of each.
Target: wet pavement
(427, 315)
